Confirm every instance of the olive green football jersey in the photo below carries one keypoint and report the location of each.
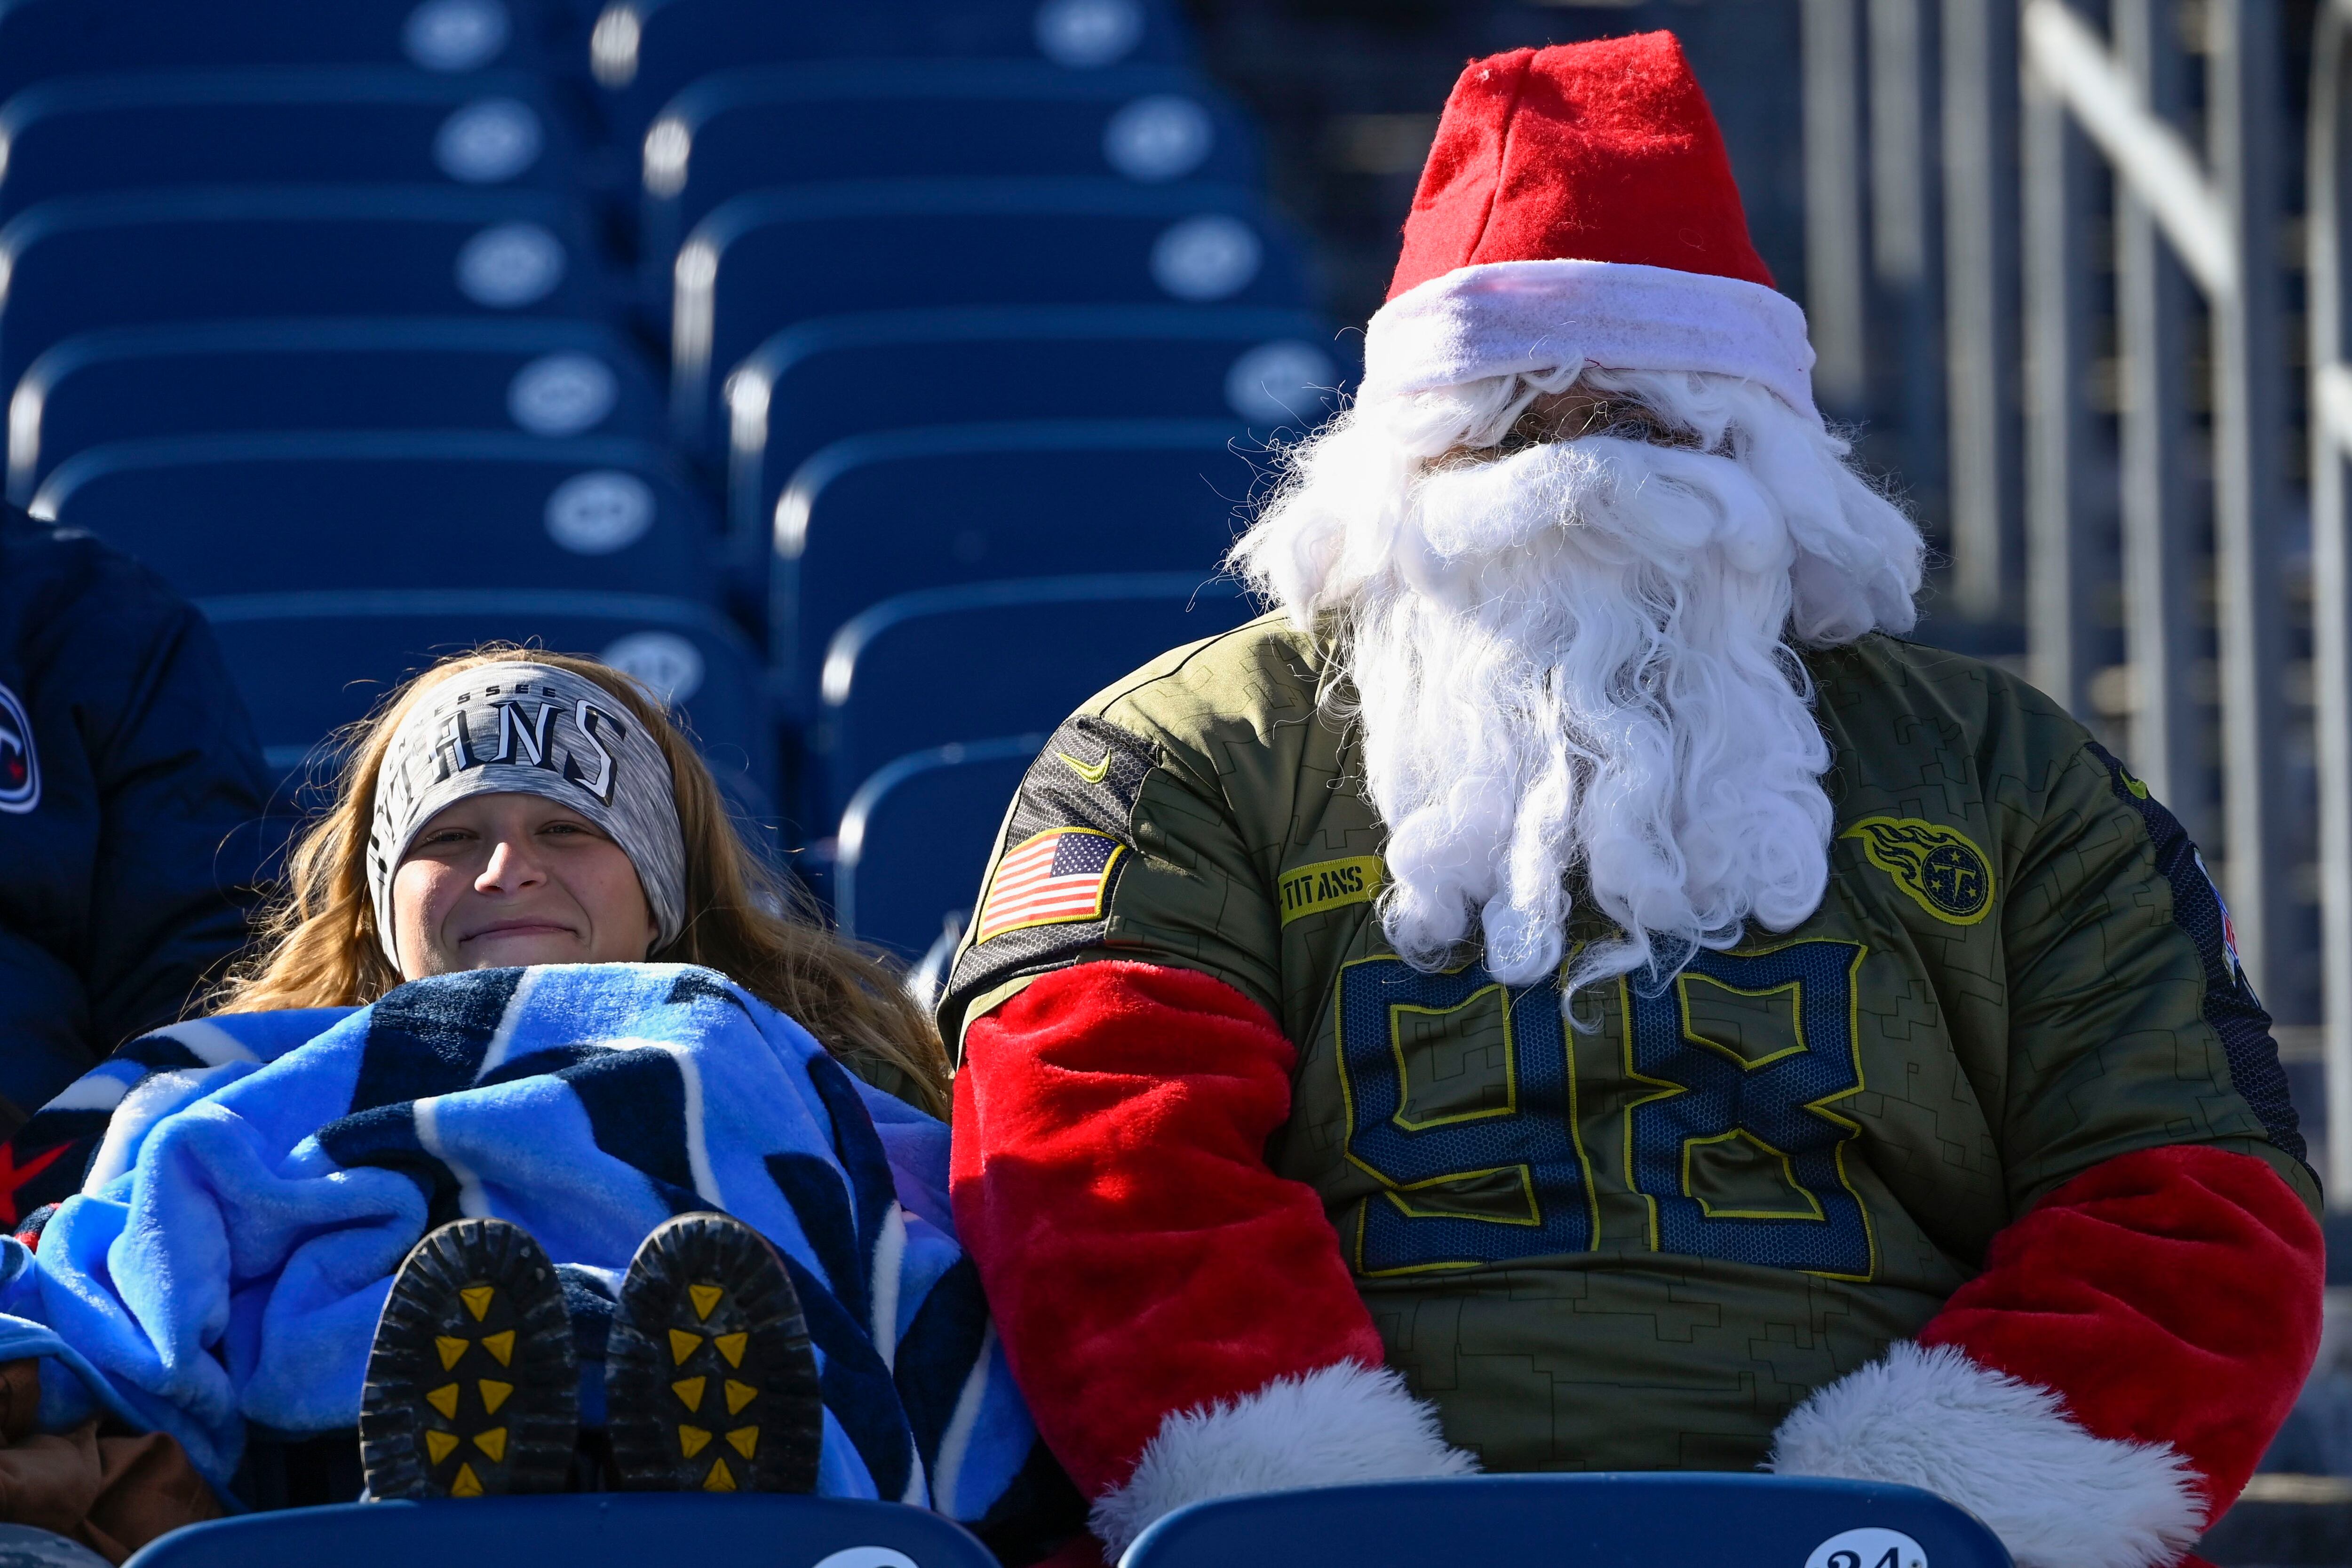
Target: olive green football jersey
(1632, 1232)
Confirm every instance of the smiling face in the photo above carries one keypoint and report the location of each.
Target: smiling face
(495, 880)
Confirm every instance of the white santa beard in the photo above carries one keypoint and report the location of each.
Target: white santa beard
(1575, 657)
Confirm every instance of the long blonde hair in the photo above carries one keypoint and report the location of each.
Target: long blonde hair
(319, 945)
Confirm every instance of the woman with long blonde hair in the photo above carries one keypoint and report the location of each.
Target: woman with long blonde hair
(530, 997)
(322, 946)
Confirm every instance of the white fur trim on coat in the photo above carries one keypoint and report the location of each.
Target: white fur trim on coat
(1504, 317)
(2005, 1450)
(1337, 1427)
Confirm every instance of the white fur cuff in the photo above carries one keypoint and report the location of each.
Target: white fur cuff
(2005, 1450)
(1337, 1427)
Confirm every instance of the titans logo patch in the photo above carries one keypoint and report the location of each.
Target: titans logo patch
(20, 764)
(1940, 868)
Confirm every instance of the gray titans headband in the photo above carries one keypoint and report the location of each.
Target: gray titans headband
(531, 729)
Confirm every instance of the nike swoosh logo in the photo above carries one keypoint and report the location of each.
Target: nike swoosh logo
(1092, 775)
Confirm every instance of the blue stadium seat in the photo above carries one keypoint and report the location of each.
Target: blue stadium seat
(813, 384)
(891, 513)
(1679, 1518)
(311, 663)
(645, 51)
(220, 252)
(266, 514)
(42, 39)
(548, 378)
(930, 119)
(346, 125)
(760, 263)
(593, 1530)
(915, 842)
(922, 670)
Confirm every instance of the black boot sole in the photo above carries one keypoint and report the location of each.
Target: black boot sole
(473, 1389)
(709, 1380)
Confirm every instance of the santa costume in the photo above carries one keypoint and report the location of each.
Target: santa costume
(1573, 988)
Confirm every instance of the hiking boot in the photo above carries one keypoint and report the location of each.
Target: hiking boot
(473, 1389)
(709, 1382)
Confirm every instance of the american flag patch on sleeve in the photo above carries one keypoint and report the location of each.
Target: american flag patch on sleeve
(1049, 879)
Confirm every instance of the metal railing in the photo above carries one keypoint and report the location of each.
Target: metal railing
(2044, 119)
(2326, 210)
(2214, 219)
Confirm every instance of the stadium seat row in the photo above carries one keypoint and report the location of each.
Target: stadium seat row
(1666, 1517)
(970, 318)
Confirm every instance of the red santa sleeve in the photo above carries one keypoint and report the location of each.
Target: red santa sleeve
(1179, 1316)
(2103, 1388)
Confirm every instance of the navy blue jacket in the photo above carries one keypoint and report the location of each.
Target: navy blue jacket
(130, 794)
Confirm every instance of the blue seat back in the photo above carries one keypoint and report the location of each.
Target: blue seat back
(276, 514)
(1276, 371)
(922, 669)
(215, 253)
(788, 125)
(760, 263)
(881, 515)
(583, 1530)
(1679, 1518)
(646, 52)
(310, 663)
(342, 125)
(539, 376)
(42, 39)
(915, 840)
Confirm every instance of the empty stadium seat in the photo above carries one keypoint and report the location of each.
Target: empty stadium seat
(343, 126)
(1682, 1518)
(787, 125)
(922, 669)
(213, 252)
(916, 838)
(843, 375)
(762, 262)
(264, 514)
(891, 513)
(643, 51)
(310, 663)
(548, 378)
(584, 1531)
(44, 40)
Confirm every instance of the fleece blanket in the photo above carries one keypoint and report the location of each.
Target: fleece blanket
(260, 1176)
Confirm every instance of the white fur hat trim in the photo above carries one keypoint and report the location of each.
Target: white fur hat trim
(1503, 317)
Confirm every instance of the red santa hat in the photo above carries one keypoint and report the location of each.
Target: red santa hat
(1578, 208)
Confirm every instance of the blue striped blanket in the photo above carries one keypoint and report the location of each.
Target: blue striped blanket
(262, 1176)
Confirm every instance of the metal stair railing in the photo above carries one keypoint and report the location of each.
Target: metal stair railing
(2329, 206)
(2213, 218)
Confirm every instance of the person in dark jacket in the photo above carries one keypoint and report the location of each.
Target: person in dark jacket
(131, 791)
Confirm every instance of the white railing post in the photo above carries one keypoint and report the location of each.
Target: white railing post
(1837, 283)
(1904, 193)
(1980, 295)
(2329, 164)
(2161, 626)
(2060, 612)
(2249, 411)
